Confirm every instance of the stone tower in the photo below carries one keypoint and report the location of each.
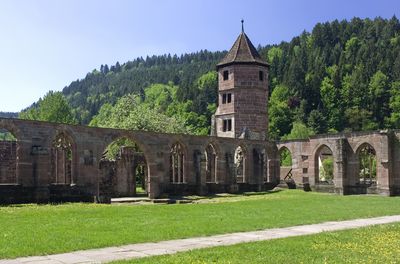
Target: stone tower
(242, 93)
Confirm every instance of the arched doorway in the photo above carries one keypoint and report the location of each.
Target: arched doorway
(124, 165)
(240, 164)
(367, 164)
(211, 162)
(177, 159)
(8, 157)
(324, 165)
(62, 155)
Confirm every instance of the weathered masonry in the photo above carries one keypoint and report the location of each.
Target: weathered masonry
(57, 162)
(363, 162)
(242, 93)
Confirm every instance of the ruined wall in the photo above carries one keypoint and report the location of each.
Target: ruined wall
(8, 164)
(36, 168)
(345, 148)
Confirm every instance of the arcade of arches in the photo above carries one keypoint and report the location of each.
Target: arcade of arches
(42, 161)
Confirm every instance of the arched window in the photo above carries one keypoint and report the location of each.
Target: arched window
(285, 157)
(8, 157)
(285, 161)
(211, 161)
(239, 160)
(367, 164)
(177, 163)
(324, 165)
(63, 154)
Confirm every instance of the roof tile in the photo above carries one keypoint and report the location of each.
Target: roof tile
(242, 51)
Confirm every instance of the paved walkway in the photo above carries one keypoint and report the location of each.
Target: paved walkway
(103, 255)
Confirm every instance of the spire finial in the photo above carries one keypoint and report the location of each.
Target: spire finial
(242, 25)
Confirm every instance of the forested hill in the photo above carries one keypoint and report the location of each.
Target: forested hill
(107, 84)
(343, 75)
(8, 114)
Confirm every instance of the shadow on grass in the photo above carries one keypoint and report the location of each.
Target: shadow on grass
(220, 195)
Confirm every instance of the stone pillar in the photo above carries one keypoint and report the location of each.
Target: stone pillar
(383, 164)
(154, 189)
(339, 169)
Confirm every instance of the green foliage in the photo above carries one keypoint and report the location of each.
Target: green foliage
(52, 108)
(299, 131)
(130, 113)
(394, 119)
(317, 122)
(326, 172)
(108, 84)
(6, 136)
(112, 150)
(359, 119)
(380, 94)
(280, 116)
(285, 157)
(331, 99)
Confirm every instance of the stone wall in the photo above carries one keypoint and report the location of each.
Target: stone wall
(8, 162)
(248, 108)
(35, 167)
(346, 165)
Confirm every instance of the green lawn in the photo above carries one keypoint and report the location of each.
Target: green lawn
(376, 244)
(45, 229)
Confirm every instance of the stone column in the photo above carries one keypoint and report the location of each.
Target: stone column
(339, 163)
(383, 164)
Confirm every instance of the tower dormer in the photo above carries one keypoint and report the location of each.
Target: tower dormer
(242, 92)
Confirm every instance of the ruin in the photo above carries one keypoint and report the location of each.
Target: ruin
(58, 162)
(50, 162)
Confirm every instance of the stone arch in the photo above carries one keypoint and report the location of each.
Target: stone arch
(285, 162)
(240, 163)
(124, 165)
(211, 162)
(367, 164)
(178, 155)
(8, 157)
(285, 157)
(64, 158)
(112, 137)
(324, 164)
(11, 127)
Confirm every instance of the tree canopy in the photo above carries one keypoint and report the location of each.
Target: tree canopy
(52, 108)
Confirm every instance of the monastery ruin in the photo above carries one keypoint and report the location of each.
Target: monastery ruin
(49, 162)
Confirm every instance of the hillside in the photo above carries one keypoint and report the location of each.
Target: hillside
(8, 114)
(343, 75)
(108, 84)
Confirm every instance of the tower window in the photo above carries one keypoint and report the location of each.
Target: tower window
(229, 98)
(226, 75)
(227, 125)
(261, 75)
(226, 98)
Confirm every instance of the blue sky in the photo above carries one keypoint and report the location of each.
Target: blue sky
(46, 44)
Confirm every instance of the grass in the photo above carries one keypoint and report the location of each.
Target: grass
(376, 244)
(46, 229)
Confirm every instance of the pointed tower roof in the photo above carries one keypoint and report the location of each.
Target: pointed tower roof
(242, 52)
